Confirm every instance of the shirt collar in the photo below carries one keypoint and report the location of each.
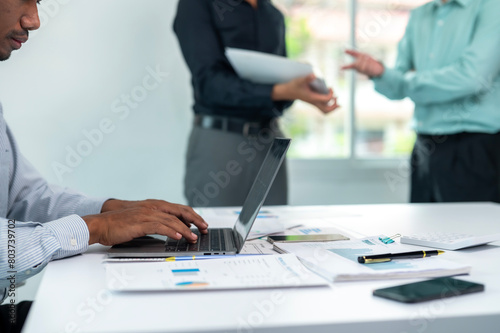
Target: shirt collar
(463, 3)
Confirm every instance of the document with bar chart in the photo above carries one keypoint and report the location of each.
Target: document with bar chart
(233, 273)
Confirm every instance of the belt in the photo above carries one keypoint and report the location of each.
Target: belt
(234, 125)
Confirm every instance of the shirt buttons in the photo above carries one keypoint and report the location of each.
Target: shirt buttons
(28, 272)
(440, 23)
(73, 242)
(431, 55)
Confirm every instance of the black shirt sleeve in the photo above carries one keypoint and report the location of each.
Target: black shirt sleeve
(217, 87)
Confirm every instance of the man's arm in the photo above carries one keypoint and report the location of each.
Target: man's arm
(472, 74)
(29, 246)
(391, 88)
(31, 198)
(26, 247)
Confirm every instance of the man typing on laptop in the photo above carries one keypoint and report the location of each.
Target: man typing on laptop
(39, 222)
(217, 241)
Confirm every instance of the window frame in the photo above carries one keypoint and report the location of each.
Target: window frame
(352, 159)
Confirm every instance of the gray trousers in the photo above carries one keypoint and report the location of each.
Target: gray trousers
(221, 167)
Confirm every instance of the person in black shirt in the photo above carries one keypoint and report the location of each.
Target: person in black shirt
(235, 119)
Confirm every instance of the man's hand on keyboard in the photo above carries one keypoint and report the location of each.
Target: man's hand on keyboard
(121, 221)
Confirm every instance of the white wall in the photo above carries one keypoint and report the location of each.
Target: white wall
(67, 78)
(70, 76)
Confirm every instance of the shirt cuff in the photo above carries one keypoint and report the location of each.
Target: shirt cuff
(264, 91)
(72, 234)
(387, 79)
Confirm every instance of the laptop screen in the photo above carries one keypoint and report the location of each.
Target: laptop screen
(259, 190)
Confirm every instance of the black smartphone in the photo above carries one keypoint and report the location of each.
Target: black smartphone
(429, 290)
(306, 238)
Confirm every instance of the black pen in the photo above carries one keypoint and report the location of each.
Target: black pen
(389, 256)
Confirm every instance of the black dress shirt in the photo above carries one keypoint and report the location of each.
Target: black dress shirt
(204, 29)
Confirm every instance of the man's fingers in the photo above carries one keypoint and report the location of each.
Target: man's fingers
(330, 108)
(310, 78)
(323, 107)
(159, 229)
(186, 214)
(353, 53)
(179, 226)
(303, 81)
(361, 63)
(350, 66)
(318, 98)
(150, 221)
(326, 108)
(364, 64)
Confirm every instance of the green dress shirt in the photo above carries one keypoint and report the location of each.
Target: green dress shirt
(449, 64)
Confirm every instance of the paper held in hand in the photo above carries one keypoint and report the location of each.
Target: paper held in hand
(266, 68)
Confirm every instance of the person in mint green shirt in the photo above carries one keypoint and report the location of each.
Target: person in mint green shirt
(449, 64)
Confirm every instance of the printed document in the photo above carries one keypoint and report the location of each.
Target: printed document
(232, 273)
(338, 261)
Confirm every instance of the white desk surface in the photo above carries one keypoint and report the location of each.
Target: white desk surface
(73, 298)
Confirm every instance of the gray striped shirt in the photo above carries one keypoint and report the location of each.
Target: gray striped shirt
(38, 222)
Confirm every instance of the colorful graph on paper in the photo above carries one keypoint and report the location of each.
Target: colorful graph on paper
(266, 271)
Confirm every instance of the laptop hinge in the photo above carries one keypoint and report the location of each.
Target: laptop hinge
(237, 241)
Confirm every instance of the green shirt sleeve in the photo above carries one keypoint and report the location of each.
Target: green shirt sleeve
(473, 73)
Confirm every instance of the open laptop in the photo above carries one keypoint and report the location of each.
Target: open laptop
(218, 241)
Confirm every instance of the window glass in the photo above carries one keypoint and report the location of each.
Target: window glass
(318, 32)
(382, 126)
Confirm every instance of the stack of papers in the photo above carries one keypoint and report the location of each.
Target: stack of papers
(338, 261)
(231, 273)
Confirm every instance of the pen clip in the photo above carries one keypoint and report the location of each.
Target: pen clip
(364, 260)
(376, 261)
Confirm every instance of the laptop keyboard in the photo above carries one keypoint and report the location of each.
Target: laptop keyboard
(213, 241)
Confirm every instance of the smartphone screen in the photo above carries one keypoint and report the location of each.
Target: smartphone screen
(429, 290)
(306, 238)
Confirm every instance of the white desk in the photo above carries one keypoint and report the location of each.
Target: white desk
(72, 296)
